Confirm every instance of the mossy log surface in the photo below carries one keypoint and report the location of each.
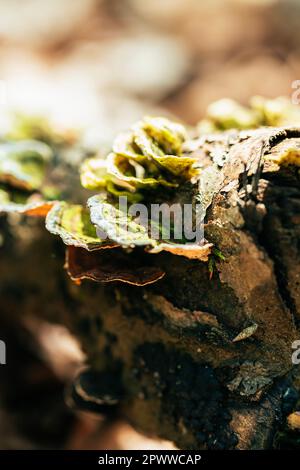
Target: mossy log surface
(202, 362)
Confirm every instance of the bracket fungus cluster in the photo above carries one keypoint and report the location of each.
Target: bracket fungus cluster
(147, 164)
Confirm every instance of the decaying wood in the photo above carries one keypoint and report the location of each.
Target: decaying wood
(202, 362)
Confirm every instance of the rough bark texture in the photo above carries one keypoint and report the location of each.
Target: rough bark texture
(202, 362)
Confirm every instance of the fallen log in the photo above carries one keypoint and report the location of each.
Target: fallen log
(202, 355)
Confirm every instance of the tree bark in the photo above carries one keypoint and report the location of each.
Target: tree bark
(202, 362)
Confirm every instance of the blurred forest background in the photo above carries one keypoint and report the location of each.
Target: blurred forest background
(100, 65)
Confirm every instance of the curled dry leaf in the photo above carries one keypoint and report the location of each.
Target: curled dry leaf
(72, 223)
(101, 266)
